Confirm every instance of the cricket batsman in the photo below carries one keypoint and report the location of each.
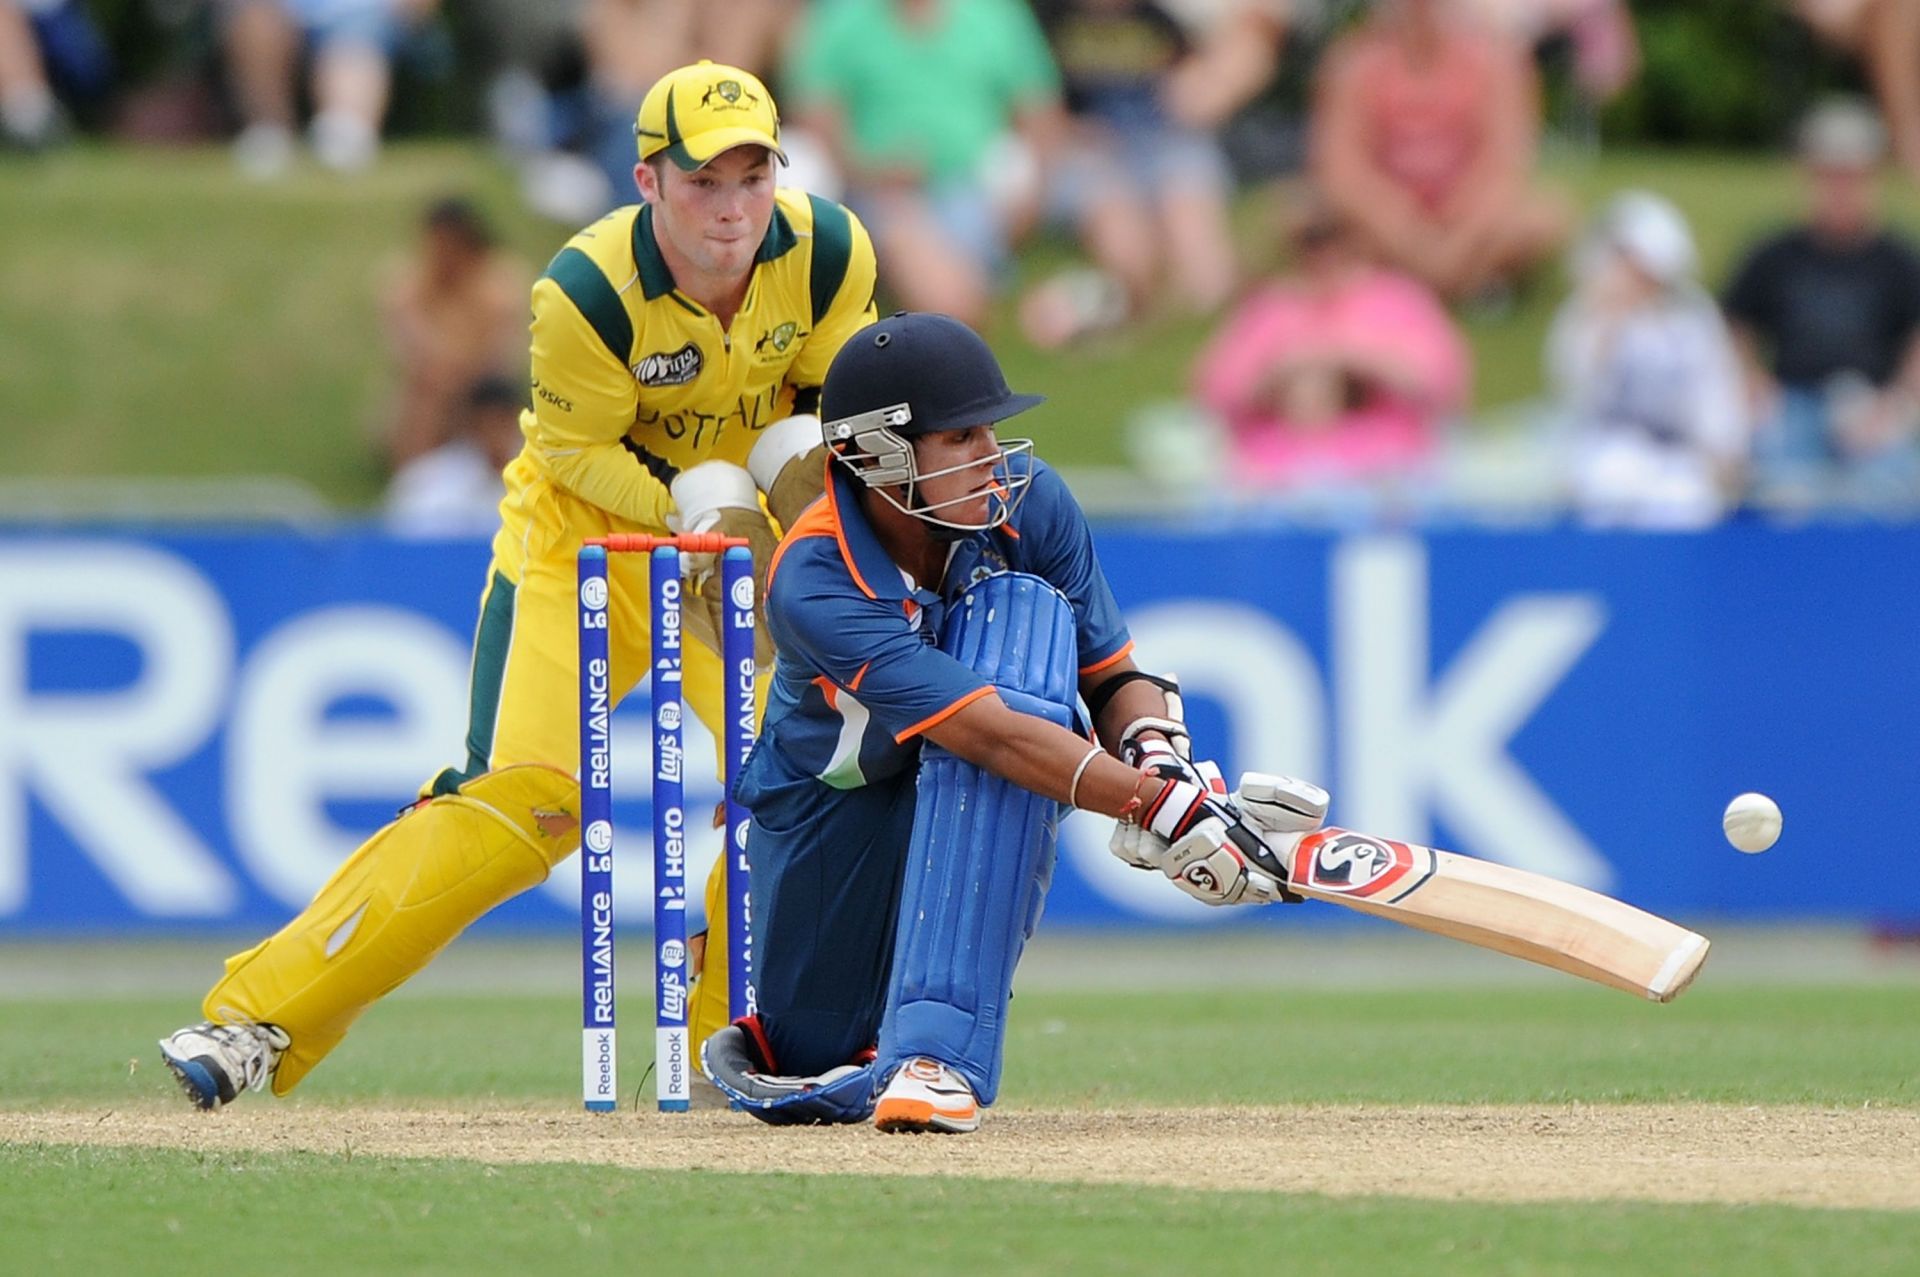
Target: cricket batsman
(678, 348)
(938, 614)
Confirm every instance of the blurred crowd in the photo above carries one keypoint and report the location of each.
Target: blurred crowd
(1409, 183)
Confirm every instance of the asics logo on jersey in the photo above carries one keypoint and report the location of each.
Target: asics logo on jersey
(675, 369)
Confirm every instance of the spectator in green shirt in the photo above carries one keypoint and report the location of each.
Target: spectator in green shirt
(939, 113)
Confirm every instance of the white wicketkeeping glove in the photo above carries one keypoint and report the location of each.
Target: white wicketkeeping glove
(786, 464)
(1190, 840)
(702, 495)
(718, 496)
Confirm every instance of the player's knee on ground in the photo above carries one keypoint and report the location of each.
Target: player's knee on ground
(734, 1059)
(826, 890)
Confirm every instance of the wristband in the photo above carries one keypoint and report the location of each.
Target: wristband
(1073, 787)
(1130, 814)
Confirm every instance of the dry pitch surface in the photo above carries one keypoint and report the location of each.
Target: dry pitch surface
(1866, 1157)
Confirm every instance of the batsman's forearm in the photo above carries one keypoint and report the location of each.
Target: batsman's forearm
(1040, 756)
(1134, 701)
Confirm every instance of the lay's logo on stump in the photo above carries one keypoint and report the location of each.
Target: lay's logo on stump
(1349, 864)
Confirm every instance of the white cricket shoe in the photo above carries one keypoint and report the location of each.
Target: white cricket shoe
(926, 1095)
(264, 152)
(215, 1062)
(343, 141)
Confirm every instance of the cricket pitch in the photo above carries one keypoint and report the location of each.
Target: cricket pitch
(1866, 1157)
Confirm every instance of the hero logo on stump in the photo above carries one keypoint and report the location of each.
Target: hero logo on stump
(1351, 864)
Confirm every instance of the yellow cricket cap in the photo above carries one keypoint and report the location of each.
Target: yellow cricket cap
(698, 111)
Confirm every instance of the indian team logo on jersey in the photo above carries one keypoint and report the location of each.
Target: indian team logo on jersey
(774, 341)
(1351, 864)
(676, 369)
(991, 563)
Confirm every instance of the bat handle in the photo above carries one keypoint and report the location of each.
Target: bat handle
(1270, 853)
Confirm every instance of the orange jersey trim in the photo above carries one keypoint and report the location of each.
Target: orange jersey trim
(1007, 527)
(831, 690)
(815, 521)
(935, 720)
(1097, 666)
(840, 535)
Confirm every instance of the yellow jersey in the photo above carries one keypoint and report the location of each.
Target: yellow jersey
(633, 381)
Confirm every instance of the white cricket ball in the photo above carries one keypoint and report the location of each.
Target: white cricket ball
(1752, 822)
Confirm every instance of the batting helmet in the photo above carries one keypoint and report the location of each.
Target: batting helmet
(911, 375)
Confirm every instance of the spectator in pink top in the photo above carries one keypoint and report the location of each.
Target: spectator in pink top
(1424, 134)
(1343, 370)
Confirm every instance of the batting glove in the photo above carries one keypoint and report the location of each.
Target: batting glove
(1191, 833)
(1280, 809)
(1136, 747)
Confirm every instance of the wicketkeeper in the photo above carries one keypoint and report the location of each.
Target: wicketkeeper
(678, 350)
(938, 615)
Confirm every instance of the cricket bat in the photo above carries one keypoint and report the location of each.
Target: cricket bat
(1528, 915)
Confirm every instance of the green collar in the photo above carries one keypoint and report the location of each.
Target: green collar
(657, 281)
(779, 239)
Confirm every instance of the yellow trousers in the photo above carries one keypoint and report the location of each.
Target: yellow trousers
(494, 827)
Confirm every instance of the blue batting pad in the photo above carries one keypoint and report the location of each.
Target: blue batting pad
(982, 850)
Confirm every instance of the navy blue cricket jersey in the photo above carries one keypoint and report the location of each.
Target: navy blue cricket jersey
(858, 676)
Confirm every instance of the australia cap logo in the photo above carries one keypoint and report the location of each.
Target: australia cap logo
(730, 94)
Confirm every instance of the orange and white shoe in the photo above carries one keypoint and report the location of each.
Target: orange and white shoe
(926, 1095)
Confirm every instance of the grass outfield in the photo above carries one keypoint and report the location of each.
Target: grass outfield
(288, 1215)
(1347, 1063)
(1750, 1045)
(166, 318)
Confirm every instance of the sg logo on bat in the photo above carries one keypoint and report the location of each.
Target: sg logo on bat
(1351, 864)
